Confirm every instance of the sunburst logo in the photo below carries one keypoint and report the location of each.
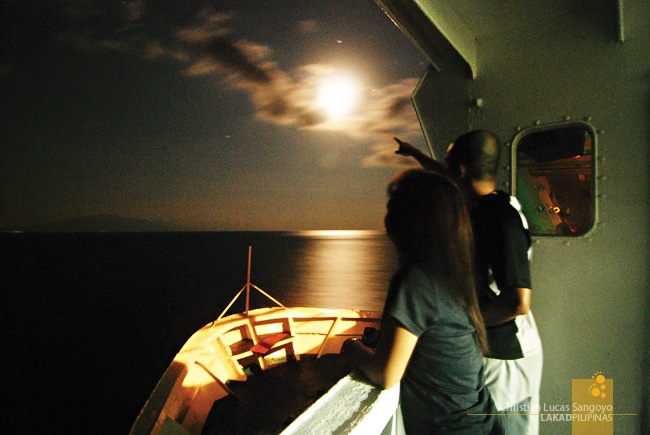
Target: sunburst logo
(597, 389)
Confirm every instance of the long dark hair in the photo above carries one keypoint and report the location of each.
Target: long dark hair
(428, 222)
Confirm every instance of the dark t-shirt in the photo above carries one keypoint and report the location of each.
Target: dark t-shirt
(443, 382)
(502, 244)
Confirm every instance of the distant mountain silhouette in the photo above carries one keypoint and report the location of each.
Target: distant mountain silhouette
(104, 223)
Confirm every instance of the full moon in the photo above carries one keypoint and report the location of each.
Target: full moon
(337, 96)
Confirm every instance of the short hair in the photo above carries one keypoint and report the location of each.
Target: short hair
(479, 151)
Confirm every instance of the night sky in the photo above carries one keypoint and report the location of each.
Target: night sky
(202, 115)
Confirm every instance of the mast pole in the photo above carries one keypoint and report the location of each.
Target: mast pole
(248, 279)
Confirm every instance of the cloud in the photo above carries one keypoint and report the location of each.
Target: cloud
(290, 99)
(134, 10)
(206, 46)
(307, 27)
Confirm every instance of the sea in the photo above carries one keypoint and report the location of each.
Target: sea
(90, 321)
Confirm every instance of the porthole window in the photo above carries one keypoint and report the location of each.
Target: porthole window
(554, 178)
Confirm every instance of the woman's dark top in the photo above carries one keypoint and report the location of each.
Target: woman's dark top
(443, 389)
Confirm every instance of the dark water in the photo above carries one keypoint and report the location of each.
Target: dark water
(91, 321)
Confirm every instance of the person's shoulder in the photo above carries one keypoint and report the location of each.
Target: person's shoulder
(500, 202)
(417, 283)
(413, 272)
(510, 214)
(493, 204)
(499, 198)
(415, 275)
(499, 209)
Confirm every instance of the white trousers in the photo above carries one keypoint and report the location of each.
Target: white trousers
(514, 386)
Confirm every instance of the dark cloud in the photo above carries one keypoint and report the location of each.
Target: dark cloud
(398, 105)
(234, 57)
(311, 118)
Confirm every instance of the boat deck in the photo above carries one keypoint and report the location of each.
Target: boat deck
(270, 400)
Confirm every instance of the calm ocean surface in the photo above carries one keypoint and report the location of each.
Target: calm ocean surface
(90, 321)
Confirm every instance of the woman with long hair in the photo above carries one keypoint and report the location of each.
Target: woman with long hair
(432, 337)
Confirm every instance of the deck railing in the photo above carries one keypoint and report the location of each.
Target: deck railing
(352, 406)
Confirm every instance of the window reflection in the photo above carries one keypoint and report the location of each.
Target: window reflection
(554, 171)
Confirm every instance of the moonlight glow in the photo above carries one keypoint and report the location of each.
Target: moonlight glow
(337, 96)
